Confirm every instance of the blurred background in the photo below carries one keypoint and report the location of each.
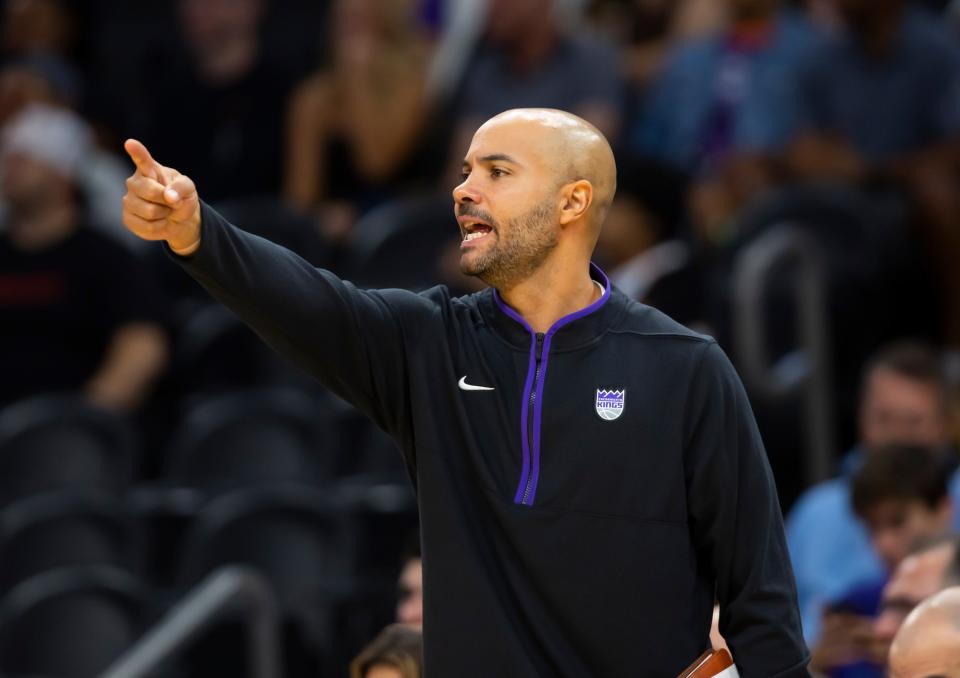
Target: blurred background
(788, 182)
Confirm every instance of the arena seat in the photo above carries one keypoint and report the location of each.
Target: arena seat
(252, 438)
(299, 539)
(69, 623)
(398, 243)
(57, 530)
(54, 443)
(297, 536)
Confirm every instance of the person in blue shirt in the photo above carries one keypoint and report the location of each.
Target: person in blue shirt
(903, 401)
(900, 493)
(728, 93)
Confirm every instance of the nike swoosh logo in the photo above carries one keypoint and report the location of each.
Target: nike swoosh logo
(464, 386)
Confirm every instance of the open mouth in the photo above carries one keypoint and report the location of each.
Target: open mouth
(474, 230)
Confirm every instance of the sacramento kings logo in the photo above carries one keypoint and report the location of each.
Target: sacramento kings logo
(609, 404)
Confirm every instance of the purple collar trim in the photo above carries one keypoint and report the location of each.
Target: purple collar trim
(530, 472)
(596, 274)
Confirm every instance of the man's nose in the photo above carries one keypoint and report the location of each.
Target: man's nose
(465, 192)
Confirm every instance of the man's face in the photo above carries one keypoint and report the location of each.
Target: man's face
(210, 23)
(410, 594)
(26, 182)
(509, 20)
(896, 525)
(898, 410)
(918, 577)
(751, 9)
(507, 204)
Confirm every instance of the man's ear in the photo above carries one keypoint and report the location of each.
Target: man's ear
(576, 199)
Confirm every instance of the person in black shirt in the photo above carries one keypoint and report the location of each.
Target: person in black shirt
(78, 313)
(592, 538)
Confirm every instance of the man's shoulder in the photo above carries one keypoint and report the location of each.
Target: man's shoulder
(646, 321)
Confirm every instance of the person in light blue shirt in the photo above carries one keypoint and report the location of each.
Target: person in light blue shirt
(903, 401)
(728, 93)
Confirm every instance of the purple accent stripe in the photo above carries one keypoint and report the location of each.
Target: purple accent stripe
(531, 458)
(525, 473)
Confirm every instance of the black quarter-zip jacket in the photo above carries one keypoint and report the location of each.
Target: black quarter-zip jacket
(584, 493)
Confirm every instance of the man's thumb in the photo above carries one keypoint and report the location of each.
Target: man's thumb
(179, 189)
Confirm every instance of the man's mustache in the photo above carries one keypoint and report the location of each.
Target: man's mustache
(466, 210)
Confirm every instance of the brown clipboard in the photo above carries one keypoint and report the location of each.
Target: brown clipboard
(709, 664)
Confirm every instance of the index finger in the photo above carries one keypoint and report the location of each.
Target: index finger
(142, 159)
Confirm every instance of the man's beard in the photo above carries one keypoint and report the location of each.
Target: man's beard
(518, 253)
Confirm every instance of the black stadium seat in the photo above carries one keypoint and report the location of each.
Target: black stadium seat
(295, 535)
(69, 623)
(62, 443)
(252, 438)
(58, 530)
(299, 539)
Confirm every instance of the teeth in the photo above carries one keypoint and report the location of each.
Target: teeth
(474, 235)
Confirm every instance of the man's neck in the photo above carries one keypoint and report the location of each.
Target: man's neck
(551, 294)
(43, 228)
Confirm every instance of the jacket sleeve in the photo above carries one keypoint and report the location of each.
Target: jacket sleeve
(736, 524)
(351, 340)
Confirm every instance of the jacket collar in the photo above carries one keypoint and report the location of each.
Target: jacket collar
(571, 331)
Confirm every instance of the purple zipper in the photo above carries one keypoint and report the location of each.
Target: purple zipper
(530, 422)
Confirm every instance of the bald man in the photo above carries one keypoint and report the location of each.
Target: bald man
(928, 643)
(588, 472)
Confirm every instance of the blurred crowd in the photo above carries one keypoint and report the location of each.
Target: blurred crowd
(788, 181)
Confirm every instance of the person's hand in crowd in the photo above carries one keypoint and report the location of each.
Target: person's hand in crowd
(816, 157)
(845, 638)
(161, 203)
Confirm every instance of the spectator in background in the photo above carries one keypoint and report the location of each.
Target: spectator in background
(880, 92)
(76, 309)
(880, 107)
(410, 589)
(641, 246)
(353, 124)
(395, 653)
(921, 575)
(729, 92)
(649, 30)
(928, 643)
(900, 493)
(218, 101)
(529, 60)
(33, 27)
(903, 401)
(725, 105)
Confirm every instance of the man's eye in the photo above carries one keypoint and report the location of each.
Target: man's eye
(497, 172)
(464, 175)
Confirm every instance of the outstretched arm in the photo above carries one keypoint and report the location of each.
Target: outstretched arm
(351, 340)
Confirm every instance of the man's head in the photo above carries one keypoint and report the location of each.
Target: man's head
(904, 398)
(745, 10)
(509, 20)
(42, 152)
(918, 577)
(537, 184)
(210, 26)
(928, 643)
(901, 495)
